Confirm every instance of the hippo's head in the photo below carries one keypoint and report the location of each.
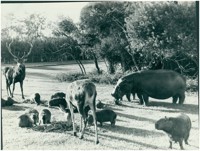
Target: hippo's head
(119, 90)
(164, 124)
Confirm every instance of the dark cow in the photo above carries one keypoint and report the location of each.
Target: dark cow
(158, 84)
(178, 128)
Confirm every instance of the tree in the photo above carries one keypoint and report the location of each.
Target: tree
(70, 32)
(164, 28)
(24, 30)
(106, 19)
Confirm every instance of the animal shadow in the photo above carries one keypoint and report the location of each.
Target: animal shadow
(186, 108)
(15, 108)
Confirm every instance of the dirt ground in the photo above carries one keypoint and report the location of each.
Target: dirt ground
(135, 125)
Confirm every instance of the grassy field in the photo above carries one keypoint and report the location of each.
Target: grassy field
(135, 125)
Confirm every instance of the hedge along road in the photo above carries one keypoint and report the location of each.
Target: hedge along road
(134, 126)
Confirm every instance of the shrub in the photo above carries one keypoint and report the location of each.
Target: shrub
(192, 84)
(103, 78)
(70, 77)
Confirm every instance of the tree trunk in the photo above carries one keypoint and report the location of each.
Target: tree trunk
(83, 68)
(96, 64)
(124, 65)
(111, 68)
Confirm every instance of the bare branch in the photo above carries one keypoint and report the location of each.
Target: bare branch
(9, 49)
(24, 56)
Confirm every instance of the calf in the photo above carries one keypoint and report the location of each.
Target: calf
(178, 128)
(82, 94)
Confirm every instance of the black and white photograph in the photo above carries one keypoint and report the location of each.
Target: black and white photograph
(100, 75)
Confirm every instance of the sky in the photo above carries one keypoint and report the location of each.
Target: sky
(50, 11)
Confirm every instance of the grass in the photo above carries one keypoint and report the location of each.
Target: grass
(135, 125)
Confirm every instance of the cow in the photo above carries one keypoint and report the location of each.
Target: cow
(82, 94)
(158, 84)
(178, 128)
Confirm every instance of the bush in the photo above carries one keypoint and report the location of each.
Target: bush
(192, 85)
(103, 78)
(70, 77)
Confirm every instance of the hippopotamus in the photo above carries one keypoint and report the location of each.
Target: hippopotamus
(158, 84)
(178, 128)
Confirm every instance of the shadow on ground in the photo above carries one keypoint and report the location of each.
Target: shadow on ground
(15, 108)
(167, 107)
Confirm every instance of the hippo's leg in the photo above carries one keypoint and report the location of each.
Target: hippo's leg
(175, 98)
(101, 124)
(181, 144)
(181, 98)
(133, 93)
(113, 122)
(146, 99)
(140, 98)
(186, 138)
(170, 144)
(128, 96)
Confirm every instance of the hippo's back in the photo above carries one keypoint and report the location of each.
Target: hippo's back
(159, 84)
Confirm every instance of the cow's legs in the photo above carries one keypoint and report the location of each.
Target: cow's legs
(72, 116)
(84, 119)
(21, 86)
(93, 108)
